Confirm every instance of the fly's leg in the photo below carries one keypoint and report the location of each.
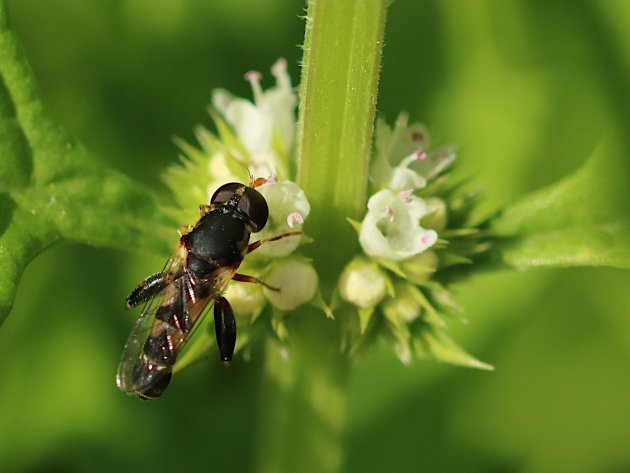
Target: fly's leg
(183, 229)
(147, 289)
(225, 327)
(246, 278)
(259, 243)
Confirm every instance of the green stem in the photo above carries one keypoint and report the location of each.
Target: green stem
(305, 391)
(303, 409)
(341, 66)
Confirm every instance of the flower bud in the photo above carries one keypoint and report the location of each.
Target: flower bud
(436, 217)
(245, 299)
(420, 267)
(404, 307)
(362, 283)
(297, 280)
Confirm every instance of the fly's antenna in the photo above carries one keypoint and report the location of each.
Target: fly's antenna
(257, 181)
(252, 180)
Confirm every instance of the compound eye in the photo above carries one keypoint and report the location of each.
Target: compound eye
(224, 193)
(254, 206)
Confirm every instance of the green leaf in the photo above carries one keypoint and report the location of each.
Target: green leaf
(51, 189)
(583, 220)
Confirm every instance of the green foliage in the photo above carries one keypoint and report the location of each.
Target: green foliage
(51, 189)
(526, 89)
(581, 221)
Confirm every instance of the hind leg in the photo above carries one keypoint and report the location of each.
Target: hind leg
(225, 327)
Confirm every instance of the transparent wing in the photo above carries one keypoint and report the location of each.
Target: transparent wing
(135, 344)
(164, 327)
(140, 332)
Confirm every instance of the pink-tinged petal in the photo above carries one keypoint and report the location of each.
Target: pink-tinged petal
(419, 154)
(293, 218)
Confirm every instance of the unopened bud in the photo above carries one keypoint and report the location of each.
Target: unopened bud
(404, 306)
(362, 283)
(297, 280)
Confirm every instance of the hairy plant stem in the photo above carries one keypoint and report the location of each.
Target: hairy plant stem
(303, 407)
(305, 382)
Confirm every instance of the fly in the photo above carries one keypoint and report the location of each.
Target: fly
(205, 260)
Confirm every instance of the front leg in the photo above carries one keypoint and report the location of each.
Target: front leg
(147, 289)
(257, 244)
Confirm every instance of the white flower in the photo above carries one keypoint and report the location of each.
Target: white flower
(362, 283)
(266, 127)
(391, 228)
(287, 203)
(392, 146)
(435, 162)
(403, 178)
(297, 280)
(402, 159)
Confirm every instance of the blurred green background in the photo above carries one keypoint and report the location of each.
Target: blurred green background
(525, 88)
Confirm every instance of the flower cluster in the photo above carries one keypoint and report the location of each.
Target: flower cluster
(415, 231)
(255, 138)
(415, 236)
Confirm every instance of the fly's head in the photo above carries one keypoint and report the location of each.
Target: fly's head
(245, 200)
